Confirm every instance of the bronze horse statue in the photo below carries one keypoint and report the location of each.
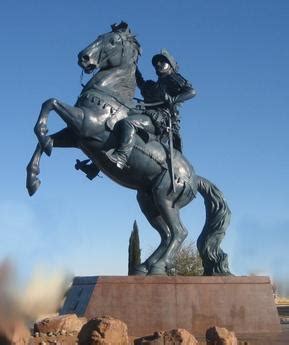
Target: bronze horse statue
(106, 99)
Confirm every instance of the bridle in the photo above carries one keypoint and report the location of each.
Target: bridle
(100, 55)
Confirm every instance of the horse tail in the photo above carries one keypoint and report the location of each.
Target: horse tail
(218, 214)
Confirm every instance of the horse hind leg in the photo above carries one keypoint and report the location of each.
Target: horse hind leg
(169, 204)
(154, 217)
(72, 116)
(178, 233)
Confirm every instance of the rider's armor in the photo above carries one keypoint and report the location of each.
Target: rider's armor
(161, 99)
(173, 85)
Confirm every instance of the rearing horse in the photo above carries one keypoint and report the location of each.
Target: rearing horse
(106, 99)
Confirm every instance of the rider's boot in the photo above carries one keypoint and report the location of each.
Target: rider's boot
(127, 139)
(117, 158)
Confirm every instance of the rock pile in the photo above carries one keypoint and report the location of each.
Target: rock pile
(63, 324)
(174, 336)
(104, 330)
(220, 336)
(71, 330)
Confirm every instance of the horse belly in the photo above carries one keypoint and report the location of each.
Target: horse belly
(146, 162)
(148, 159)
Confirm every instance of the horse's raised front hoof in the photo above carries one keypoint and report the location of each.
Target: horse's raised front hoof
(140, 270)
(33, 185)
(47, 145)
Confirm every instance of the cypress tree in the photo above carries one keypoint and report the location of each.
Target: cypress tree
(134, 251)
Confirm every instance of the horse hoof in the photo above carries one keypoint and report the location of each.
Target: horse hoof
(157, 271)
(48, 145)
(33, 186)
(140, 270)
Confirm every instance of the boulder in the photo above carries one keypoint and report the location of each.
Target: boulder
(220, 336)
(174, 336)
(69, 323)
(104, 331)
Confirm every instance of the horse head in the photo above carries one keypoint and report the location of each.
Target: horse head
(115, 48)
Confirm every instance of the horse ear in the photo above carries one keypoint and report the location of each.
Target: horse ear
(113, 27)
(122, 26)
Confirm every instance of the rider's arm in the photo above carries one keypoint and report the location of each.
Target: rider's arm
(186, 89)
(186, 94)
(139, 79)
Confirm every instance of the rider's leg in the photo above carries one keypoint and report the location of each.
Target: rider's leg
(125, 131)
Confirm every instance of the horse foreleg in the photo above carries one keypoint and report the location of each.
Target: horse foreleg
(63, 138)
(33, 170)
(72, 116)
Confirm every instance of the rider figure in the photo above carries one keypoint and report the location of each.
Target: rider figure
(161, 99)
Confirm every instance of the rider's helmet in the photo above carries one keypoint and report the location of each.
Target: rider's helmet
(164, 54)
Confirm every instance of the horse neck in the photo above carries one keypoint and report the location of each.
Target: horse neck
(117, 81)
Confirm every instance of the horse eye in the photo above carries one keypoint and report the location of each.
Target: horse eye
(111, 42)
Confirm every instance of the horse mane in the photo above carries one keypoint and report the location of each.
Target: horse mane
(123, 29)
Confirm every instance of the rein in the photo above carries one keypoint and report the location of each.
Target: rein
(141, 102)
(107, 94)
(81, 78)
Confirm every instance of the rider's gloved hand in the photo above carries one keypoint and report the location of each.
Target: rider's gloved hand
(169, 99)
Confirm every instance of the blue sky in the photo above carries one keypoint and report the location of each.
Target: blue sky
(235, 131)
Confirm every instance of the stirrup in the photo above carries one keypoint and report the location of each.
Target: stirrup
(116, 158)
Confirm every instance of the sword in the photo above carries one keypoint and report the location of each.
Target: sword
(169, 129)
(171, 147)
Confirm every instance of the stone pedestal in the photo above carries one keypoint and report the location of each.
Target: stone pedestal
(147, 304)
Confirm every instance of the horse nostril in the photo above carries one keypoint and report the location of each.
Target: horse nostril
(85, 58)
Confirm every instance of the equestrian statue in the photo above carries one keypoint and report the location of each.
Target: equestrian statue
(137, 144)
